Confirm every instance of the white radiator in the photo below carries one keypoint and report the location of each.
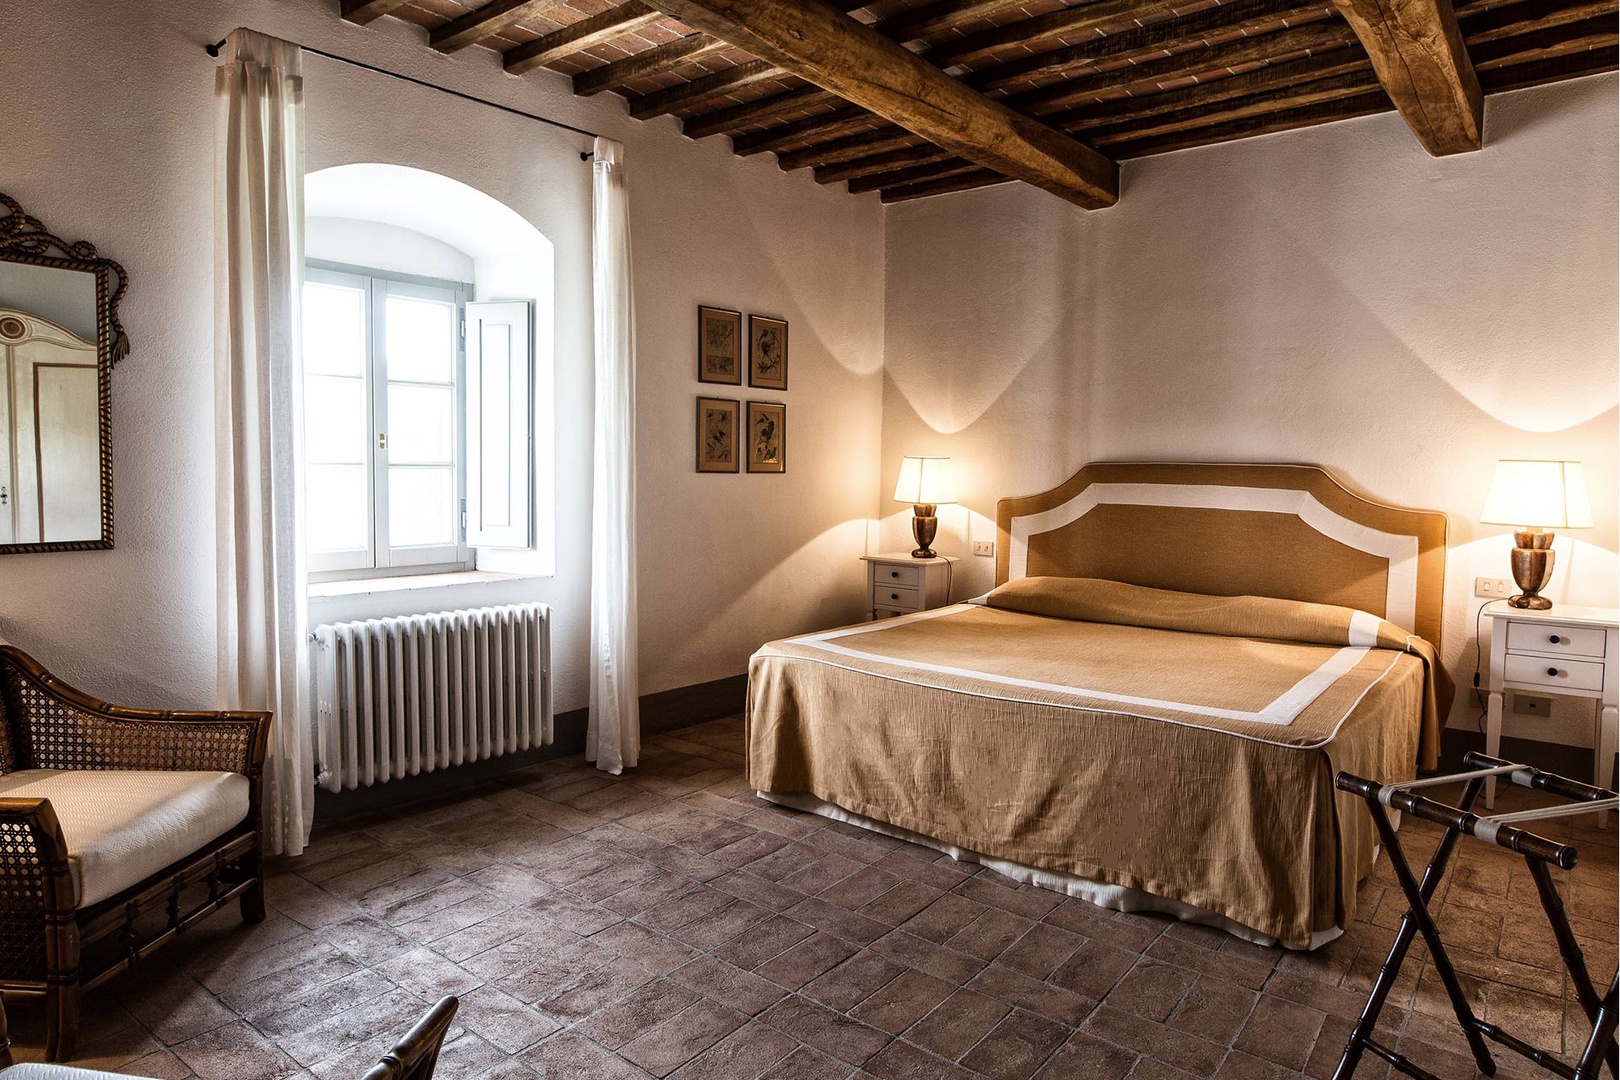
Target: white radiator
(401, 696)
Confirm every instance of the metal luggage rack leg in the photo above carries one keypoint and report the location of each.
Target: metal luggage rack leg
(1504, 831)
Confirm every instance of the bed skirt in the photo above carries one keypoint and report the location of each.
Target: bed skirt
(1102, 894)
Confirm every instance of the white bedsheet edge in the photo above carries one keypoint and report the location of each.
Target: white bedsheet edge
(1113, 897)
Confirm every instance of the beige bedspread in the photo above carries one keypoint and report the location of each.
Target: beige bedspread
(1176, 744)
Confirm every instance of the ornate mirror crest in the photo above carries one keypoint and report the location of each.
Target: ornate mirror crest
(25, 239)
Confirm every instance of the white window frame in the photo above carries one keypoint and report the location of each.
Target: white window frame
(379, 558)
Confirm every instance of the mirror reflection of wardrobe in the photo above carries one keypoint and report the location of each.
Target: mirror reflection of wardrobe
(50, 438)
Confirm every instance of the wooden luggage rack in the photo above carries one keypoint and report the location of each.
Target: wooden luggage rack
(1504, 831)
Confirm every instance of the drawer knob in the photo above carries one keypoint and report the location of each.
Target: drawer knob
(896, 573)
(1555, 639)
(894, 596)
(1552, 671)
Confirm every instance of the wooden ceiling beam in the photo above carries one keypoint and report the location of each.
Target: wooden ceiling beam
(938, 170)
(671, 54)
(887, 137)
(1538, 72)
(587, 33)
(1292, 95)
(703, 88)
(1284, 120)
(876, 163)
(941, 16)
(1217, 62)
(486, 22)
(1106, 116)
(1579, 37)
(1242, 18)
(962, 182)
(837, 122)
(1510, 21)
(362, 12)
(819, 44)
(733, 117)
(1417, 49)
(1067, 22)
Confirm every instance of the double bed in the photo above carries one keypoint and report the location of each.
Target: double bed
(1149, 709)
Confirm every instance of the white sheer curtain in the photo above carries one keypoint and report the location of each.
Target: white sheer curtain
(613, 739)
(258, 274)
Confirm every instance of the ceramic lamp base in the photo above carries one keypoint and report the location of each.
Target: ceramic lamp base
(1532, 561)
(924, 525)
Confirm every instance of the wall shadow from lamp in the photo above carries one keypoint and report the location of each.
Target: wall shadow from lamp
(925, 482)
(1535, 497)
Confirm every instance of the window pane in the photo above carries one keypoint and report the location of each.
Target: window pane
(334, 329)
(421, 339)
(335, 420)
(336, 508)
(421, 506)
(421, 425)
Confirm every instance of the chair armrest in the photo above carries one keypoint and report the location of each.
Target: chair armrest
(36, 890)
(58, 727)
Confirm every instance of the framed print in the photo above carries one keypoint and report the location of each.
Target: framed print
(717, 434)
(767, 437)
(719, 346)
(767, 352)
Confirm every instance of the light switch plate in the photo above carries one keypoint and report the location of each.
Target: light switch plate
(1494, 588)
(985, 547)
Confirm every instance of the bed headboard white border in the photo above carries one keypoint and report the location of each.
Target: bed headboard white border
(1398, 550)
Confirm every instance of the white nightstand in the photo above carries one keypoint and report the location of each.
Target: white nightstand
(897, 584)
(1565, 650)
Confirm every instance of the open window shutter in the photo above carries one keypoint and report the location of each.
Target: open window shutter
(499, 404)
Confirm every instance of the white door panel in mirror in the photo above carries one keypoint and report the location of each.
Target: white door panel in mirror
(334, 328)
(50, 460)
(421, 505)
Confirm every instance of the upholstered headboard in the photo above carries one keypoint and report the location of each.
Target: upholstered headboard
(1290, 531)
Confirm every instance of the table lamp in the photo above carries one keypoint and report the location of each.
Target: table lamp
(1533, 497)
(925, 482)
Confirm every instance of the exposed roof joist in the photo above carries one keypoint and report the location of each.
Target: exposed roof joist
(1124, 77)
(816, 42)
(1417, 49)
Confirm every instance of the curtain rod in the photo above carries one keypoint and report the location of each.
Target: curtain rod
(219, 46)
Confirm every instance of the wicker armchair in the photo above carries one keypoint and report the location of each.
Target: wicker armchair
(57, 936)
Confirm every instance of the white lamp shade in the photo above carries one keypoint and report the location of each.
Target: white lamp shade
(925, 480)
(1538, 495)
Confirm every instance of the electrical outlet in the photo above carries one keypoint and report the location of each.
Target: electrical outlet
(986, 548)
(1493, 587)
(1525, 705)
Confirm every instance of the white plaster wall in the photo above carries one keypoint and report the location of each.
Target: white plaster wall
(1333, 295)
(120, 152)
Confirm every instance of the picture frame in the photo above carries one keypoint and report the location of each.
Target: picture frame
(718, 421)
(720, 336)
(767, 353)
(766, 449)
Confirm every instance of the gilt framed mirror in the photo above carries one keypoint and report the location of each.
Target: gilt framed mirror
(59, 339)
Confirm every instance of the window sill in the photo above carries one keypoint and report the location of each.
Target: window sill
(368, 586)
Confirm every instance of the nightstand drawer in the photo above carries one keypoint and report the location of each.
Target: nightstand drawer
(888, 574)
(896, 598)
(1554, 673)
(1557, 640)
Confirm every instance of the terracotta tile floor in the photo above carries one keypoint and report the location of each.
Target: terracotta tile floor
(668, 923)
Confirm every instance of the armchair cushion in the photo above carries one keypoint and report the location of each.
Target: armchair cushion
(122, 826)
